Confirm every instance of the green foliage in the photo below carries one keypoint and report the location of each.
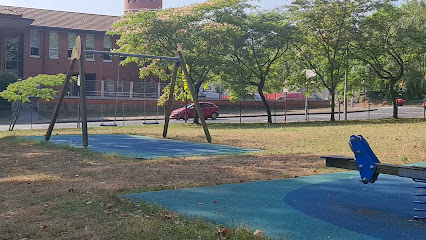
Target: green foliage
(181, 91)
(6, 79)
(38, 86)
(159, 32)
(325, 32)
(252, 52)
(384, 42)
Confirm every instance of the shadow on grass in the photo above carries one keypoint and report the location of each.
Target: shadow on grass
(83, 152)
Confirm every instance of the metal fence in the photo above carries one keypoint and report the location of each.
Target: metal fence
(122, 89)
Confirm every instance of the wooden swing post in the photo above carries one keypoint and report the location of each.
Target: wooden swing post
(77, 52)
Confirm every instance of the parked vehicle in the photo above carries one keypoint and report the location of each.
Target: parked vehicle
(209, 109)
(424, 104)
(400, 101)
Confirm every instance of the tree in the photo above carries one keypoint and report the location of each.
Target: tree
(38, 86)
(325, 32)
(6, 79)
(382, 41)
(259, 41)
(415, 73)
(159, 32)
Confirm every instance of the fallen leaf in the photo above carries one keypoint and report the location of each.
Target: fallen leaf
(223, 231)
(44, 226)
(258, 233)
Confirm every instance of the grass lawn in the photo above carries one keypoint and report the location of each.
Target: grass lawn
(52, 192)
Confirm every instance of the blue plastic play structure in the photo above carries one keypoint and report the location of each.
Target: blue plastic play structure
(370, 167)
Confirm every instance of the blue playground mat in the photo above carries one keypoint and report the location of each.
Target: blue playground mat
(140, 147)
(329, 206)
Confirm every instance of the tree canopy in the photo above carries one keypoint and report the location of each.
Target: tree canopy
(38, 86)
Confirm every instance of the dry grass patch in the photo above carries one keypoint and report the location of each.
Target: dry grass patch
(66, 193)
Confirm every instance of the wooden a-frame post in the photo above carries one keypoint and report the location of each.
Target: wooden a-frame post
(188, 78)
(77, 53)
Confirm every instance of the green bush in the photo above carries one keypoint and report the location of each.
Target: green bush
(6, 78)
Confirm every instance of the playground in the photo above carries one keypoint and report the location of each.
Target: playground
(54, 191)
(248, 182)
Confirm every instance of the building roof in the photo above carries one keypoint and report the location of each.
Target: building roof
(8, 11)
(61, 19)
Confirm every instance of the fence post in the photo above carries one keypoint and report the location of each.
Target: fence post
(102, 88)
(368, 110)
(240, 112)
(123, 114)
(131, 89)
(31, 115)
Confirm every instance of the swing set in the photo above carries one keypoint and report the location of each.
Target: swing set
(77, 56)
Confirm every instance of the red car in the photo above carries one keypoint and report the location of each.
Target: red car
(400, 101)
(209, 109)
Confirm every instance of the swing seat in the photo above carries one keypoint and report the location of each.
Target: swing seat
(151, 123)
(108, 125)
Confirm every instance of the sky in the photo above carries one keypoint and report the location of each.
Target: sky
(112, 7)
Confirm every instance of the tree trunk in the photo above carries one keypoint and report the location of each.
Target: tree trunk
(197, 90)
(333, 98)
(393, 98)
(265, 103)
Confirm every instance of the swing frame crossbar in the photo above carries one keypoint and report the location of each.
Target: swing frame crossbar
(77, 56)
(176, 59)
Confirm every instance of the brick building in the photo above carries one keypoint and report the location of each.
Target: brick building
(39, 41)
(136, 5)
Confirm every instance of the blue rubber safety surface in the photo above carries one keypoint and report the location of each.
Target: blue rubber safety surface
(140, 147)
(329, 206)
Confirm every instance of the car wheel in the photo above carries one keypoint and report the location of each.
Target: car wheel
(214, 116)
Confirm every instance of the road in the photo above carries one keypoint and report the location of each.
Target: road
(382, 112)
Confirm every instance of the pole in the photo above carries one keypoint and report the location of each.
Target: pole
(285, 107)
(368, 110)
(31, 115)
(186, 110)
(345, 97)
(123, 114)
(192, 89)
(83, 104)
(306, 107)
(168, 107)
(339, 110)
(275, 110)
(78, 115)
(240, 112)
(60, 100)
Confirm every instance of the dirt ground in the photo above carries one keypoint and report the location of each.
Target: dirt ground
(34, 178)
(49, 192)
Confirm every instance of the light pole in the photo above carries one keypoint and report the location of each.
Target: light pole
(345, 97)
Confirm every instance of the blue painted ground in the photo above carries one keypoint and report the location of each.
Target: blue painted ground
(329, 206)
(144, 147)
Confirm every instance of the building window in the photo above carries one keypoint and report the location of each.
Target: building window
(152, 1)
(90, 45)
(54, 45)
(107, 47)
(71, 43)
(34, 43)
(109, 88)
